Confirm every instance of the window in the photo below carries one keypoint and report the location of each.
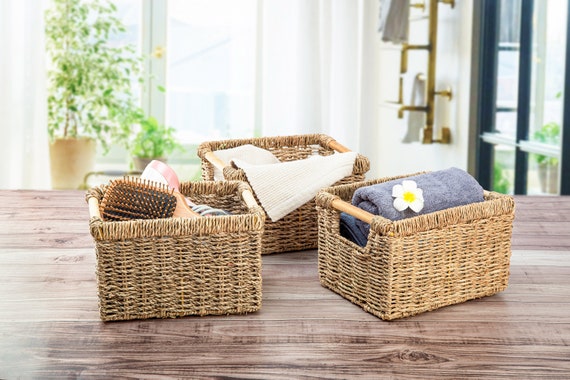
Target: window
(521, 98)
(210, 70)
(201, 67)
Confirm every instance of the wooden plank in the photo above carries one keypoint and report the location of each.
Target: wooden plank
(358, 350)
(50, 326)
(532, 257)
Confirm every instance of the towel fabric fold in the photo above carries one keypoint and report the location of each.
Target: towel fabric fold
(350, 230)
(248, 153)
(285, 186)
(394, 20)
(441, 190)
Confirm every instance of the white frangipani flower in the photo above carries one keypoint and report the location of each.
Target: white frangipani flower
(408, 195)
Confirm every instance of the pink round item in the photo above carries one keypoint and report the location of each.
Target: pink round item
(160, 172)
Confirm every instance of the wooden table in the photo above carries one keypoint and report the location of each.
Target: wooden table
(50, 327)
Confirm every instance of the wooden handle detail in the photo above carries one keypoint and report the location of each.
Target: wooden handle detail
(350, 209)
(249, 199)
(333, 144)
(182, 209)
(94, 211)
(214, 160)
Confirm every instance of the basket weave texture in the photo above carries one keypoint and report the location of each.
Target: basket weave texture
(298, 230)
(163, 268)
(418, 264)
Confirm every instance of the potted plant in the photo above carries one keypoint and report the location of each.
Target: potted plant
(548, 166)
(152, 141)
(90, 97)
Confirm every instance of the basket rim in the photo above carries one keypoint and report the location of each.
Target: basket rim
(361, 163)
(307, 139)
(494, 204)
(251, 220)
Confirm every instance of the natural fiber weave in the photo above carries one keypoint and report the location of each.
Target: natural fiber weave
(298, 230)
(172, 267)
(418, 264)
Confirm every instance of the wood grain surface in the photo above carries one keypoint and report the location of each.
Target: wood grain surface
(50, 326)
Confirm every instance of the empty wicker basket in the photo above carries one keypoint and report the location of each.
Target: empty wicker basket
(173, 267)
(418, 264)
(298, 230)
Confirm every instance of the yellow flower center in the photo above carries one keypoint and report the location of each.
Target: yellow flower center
(409, 197)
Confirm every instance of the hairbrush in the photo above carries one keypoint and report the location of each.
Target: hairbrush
(133, 198)
(158, 171)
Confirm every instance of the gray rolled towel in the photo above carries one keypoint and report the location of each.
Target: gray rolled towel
(441, 190)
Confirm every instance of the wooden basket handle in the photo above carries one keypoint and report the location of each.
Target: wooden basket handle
(94, 208)
(350, 209)
(333, 144)
(214, 160)
(249, 199)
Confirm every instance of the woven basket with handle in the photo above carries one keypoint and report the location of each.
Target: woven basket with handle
(417, 264)
(172, 267)
(298, 230)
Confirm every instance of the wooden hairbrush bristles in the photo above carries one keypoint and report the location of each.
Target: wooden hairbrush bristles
(135, 198)
(132, 198)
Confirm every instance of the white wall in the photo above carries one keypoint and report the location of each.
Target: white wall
(453, 69)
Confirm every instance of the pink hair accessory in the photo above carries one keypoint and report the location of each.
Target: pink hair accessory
(158, 171)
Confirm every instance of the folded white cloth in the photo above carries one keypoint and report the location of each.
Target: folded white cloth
(283, 187)
(248, 153)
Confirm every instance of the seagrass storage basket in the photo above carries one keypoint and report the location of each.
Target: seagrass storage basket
(161, 268)
(417, 264)
(298, 230)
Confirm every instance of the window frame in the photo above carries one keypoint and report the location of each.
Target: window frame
(484, 95)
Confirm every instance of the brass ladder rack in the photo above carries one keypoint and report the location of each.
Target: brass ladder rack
(431, 48)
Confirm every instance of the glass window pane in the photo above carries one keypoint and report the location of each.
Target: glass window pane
(543, 175)
(211, 68)
(506, 123)
(130, 14)
(507, 78)
(503, 169)
(510, 25)
(508, 67)
(548, 70)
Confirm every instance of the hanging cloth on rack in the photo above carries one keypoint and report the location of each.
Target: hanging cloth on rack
(394, 20)
(416, 119)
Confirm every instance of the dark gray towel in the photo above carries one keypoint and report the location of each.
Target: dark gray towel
(350, 230)
(441, 190)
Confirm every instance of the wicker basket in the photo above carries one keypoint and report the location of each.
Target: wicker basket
(298, 230)
(172, 267)
(418, 264)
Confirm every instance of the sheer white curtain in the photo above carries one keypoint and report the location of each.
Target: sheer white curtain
(319, 69)
(24, 159)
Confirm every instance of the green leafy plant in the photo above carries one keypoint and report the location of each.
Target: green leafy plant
(90, 79)
(548, 134)
(501, 181)
(153, 140)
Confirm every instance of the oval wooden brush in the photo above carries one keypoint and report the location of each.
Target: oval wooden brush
(133, 198)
